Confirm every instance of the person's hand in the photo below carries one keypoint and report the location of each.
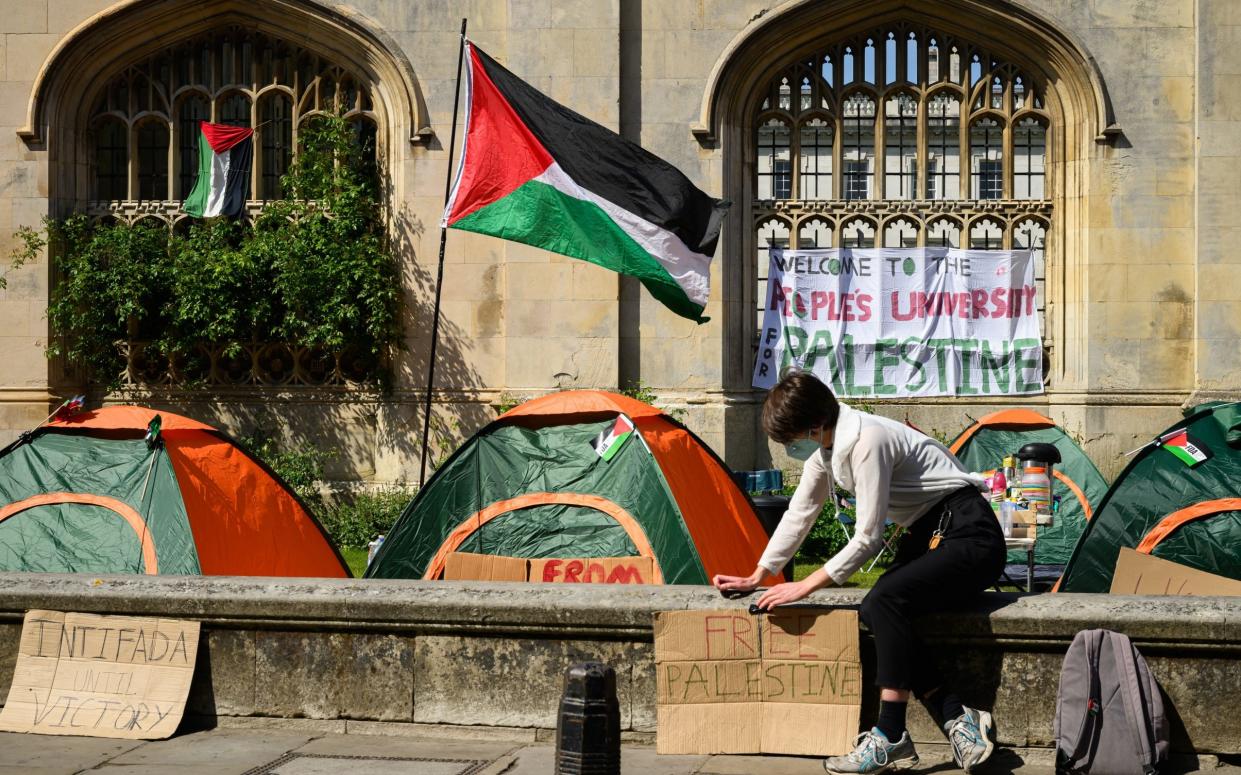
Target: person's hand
(738, 583)
(781, 594)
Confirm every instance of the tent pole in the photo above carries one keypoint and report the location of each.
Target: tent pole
(439, 277)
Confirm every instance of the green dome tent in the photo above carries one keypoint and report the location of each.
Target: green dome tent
(537, 483)
(1179, 499)
(983, 447)
(126, 489)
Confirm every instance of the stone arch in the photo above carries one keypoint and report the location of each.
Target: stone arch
(1075, 93)
(1056, 54)
(102, 43)
(95, 51)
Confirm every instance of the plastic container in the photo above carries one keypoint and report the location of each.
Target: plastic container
(372, 549)
(1036, 485)
(1006, 517)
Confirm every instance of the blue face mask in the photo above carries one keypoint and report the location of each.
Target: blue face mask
(802, 449)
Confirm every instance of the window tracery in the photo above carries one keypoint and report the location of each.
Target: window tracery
(146, 119)
(918, 138)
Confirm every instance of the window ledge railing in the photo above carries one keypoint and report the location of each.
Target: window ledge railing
(919, 207)
(168, 212)
(253, 364)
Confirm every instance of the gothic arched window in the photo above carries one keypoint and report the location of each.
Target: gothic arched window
(898, 137)
(146, 119)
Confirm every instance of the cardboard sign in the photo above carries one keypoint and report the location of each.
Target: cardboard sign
(729, 682)
(597, 570)
(101, 676)
(463, 566)
(1142, 574)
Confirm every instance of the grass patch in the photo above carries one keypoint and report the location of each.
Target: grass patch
(358, 520)
(860, 580)
(355, 557)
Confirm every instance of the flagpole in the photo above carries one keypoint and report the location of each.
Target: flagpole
(439, 277)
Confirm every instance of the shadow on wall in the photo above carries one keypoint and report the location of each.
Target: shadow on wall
(461, 407)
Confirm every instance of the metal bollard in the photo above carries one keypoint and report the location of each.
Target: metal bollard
(588, 729)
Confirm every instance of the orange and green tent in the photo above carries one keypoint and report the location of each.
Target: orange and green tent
(580, 474)
(1179, 499)
(983, 446)
(126, 489)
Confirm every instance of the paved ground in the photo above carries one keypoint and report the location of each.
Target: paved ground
(291, 752)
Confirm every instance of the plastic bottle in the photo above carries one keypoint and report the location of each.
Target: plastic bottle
(999, 486)
(1013, 483)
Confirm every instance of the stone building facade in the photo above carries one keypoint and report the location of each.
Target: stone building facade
(1105, 134)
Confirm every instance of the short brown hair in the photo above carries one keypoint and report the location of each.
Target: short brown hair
(798, 403)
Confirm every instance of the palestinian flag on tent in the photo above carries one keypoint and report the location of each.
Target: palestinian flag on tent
(224, 156)
(609, 441)
(535, 172)
(1184, 448)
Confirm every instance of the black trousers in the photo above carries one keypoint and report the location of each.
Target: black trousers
(968, 559)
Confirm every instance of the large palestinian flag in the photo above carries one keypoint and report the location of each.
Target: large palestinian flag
(533, 171)
(224, 156)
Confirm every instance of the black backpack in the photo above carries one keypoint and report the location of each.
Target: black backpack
(1109, 712)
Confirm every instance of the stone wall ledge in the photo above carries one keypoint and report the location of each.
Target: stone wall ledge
(609, 611)
(491, 656)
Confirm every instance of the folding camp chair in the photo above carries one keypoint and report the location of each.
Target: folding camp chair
(848, 525)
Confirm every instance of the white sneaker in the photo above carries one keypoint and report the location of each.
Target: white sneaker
(972, 735)
(874, 754)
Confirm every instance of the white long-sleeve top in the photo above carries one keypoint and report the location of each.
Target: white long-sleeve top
(895, 472)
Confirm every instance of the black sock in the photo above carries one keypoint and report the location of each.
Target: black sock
(891, 719)
(949, 707)
(943, 706)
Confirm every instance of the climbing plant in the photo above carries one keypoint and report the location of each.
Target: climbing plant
(314, 270)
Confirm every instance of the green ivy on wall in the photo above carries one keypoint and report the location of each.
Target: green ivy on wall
(313, 270)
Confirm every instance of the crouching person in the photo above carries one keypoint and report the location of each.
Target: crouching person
(952, 550)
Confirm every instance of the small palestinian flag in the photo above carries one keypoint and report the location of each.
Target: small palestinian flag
(535, 172)
(153, 431)
(224, 156)
(70, 407)
(609, 442)
(1185, 449)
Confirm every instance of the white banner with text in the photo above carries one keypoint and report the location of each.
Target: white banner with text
(903, 322)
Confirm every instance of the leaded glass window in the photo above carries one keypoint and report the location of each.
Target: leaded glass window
(775, 175)
(986, 234)
(943, 146)
(901, 136)
(146, 119)
(111, 161)
(1029, 158)
(152, 160)
(987, 159)
(859, 146)
(943, 233)
(858, 233)
(815, 154)
(900, 233)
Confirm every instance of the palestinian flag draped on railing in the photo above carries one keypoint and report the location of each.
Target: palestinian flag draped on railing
(224, 156)
(535, 172)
